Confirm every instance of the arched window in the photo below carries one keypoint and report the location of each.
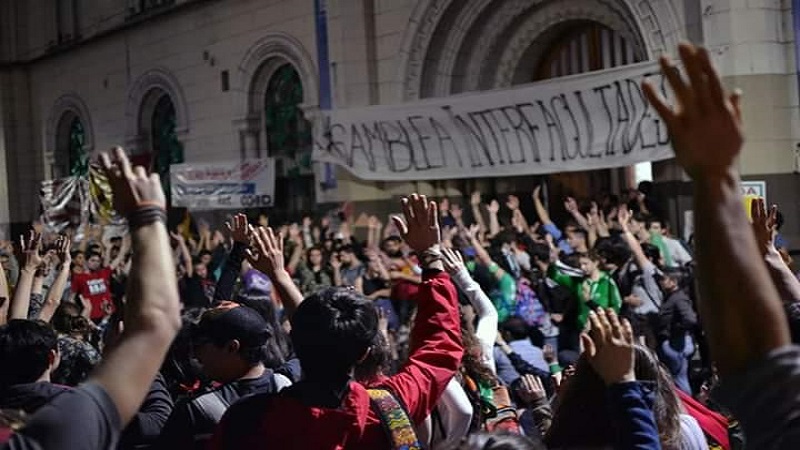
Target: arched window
(72, 159)
(167, 149)
(289, 140)
(158, 128)
(288, 131)
(585, 47)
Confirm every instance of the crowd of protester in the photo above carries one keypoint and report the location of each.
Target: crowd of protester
(457, 324)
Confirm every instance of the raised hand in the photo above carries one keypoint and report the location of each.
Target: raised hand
(383, 322)
(624, 217)
(30, 250)
(266, 254)
(335, 263)
(373, 223)
(177, 237)
(475, 199)
(493, 207)
(537, 192)
(132, 188)
(764, 224)
(705, 123)
(420, 229)
(453, 261)
(473, 232)
(512, 202)
(609, 347)
(63, 247)
(239, 229)
(571, 205)
(531, 390)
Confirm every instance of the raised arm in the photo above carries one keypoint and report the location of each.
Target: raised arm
(57, 289)
(475, 203)
(484, 258)
(624, 217)
(32, 259)
(494, 222)
(764, 228)
(124, 248)
(152, 310)
(436, 350)
(486, 330)
(185, 255)
(744, 319)
(609, 349)
(239, 231)
(572, 208)
(266, 256)
(5, 296)
(541, 211)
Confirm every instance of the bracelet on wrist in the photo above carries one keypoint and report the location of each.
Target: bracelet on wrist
(555, 368)
(146, 215)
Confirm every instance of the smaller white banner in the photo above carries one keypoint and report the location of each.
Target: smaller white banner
(224, 185)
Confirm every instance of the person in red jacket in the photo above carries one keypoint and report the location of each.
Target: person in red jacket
(332, 331)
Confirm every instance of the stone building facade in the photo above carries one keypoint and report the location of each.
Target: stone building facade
(212, 80)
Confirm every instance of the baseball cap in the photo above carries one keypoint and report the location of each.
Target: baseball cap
(230, 321)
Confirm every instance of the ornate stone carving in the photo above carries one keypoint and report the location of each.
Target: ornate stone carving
(507, 32)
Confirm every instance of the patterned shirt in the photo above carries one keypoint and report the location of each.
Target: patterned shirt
(78, 358)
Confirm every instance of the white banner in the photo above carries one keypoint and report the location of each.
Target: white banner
(591, 121)
(224, 185)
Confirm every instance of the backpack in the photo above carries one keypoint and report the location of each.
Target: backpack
(532, 311)
(492, 409)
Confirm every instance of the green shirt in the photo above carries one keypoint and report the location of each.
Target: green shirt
(603, 292)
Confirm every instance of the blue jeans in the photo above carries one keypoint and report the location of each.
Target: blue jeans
(675, 355)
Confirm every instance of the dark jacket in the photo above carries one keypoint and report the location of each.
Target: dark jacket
(193, 421)
(677, 316)
(29, 397)
(147, 424)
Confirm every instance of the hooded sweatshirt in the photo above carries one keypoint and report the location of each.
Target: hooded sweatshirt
(29, 397)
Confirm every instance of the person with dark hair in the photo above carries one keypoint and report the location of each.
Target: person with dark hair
(495, 278)
(28, 357)
(229, 342)
(592, 287)
(517, 334)
(332, 331)
(313, 275)
(78, 355)
(91, 416)
(641, 274)
(94, 284)
(352, 267)
(678, 321)
(672, 250)
(588, 414)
